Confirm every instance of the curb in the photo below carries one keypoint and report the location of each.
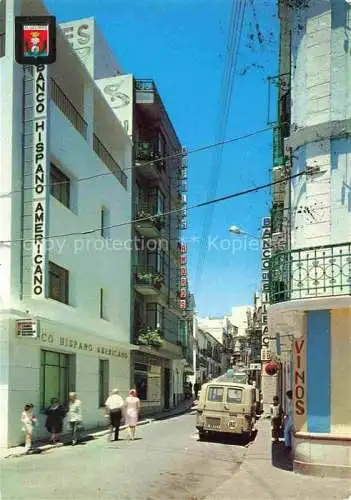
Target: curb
(86, 437)
(95, 435)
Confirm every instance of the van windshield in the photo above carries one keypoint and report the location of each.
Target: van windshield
(234, 395)
(215, 394)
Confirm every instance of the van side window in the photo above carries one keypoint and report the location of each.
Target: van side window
(215, 394)
(234, 395)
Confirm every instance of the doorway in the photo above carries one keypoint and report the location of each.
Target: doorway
(167, 381)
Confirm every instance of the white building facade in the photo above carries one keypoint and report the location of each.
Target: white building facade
(310, 290)
(65, 270)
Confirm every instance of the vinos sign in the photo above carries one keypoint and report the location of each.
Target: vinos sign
(40, 179)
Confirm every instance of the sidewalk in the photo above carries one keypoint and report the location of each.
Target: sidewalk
(267, 474)
(40, 446)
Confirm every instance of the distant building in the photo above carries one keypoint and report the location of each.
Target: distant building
(224, 331)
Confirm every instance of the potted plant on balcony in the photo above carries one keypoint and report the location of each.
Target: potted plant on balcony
(143, 214)
(150, 337)
(144, 277)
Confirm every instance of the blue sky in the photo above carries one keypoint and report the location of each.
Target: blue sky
(181, 44)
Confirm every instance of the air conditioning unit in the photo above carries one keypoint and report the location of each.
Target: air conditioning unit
(27, 328)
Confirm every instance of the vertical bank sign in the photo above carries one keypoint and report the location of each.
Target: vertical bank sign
(183, 276)
(265, 256)
(40, 180)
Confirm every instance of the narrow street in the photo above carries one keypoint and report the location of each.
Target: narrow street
(166, 461)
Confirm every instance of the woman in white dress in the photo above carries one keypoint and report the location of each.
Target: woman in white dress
(131, 409)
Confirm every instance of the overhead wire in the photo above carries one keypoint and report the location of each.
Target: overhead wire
(151, 162)
(163, 214)
(228, 77)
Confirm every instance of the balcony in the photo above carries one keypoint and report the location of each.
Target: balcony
(149, 337)
(146, 91)
(278, 147)
(316, 272)
(148, 159)
(106, 157)
(151, 226)
(68, 109)
(148, 282)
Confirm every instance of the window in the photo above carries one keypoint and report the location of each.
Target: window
(140, 379)
(105, 222)
(215, 394)
(59, 185)
(58, 283)
(104, 378)
(57, 377)
(234, 395)
(156, 261)
(156, 200)
(103, 314)
(155, 315)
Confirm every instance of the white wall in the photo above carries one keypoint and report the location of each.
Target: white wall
(238, 318)
(311, 64)
(93, 261)
(119, 93)
(214, 326)
(90, 46)
(24, 381)
(321, 72)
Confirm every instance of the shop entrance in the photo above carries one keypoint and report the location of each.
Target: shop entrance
(166, 389)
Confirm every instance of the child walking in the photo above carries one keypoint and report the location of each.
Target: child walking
(276, 418)
(29, 420)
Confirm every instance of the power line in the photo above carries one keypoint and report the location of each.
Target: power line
(151, 162)
(228, 78)
(164, 214)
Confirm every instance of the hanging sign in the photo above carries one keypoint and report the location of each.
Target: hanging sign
(35, 40)
(183, 277)
(265, 256)
(40, 181)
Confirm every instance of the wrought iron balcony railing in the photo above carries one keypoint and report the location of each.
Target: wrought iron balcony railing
(148, 152)
(68, 109)
(313, 272)
(109, 161)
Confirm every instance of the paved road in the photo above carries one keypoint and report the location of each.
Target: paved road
(166, 462)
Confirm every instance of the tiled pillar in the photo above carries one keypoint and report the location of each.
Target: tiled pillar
(322, 394)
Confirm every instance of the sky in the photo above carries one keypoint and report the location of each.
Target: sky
(182, 44)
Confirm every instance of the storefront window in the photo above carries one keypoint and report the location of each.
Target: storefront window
(147, 380)
(140, 379)
(57, 376)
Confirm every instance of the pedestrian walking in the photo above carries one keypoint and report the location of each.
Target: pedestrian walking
(132, 409)
(55, 414)
(113, 406)
(197, 387)
(75, 417)
(29, 421)
(276, 418)
(288, 422)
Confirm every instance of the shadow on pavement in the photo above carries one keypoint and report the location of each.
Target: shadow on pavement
(281, 459)
(230, 439)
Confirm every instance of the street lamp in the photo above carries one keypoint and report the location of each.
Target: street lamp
(240, 232)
